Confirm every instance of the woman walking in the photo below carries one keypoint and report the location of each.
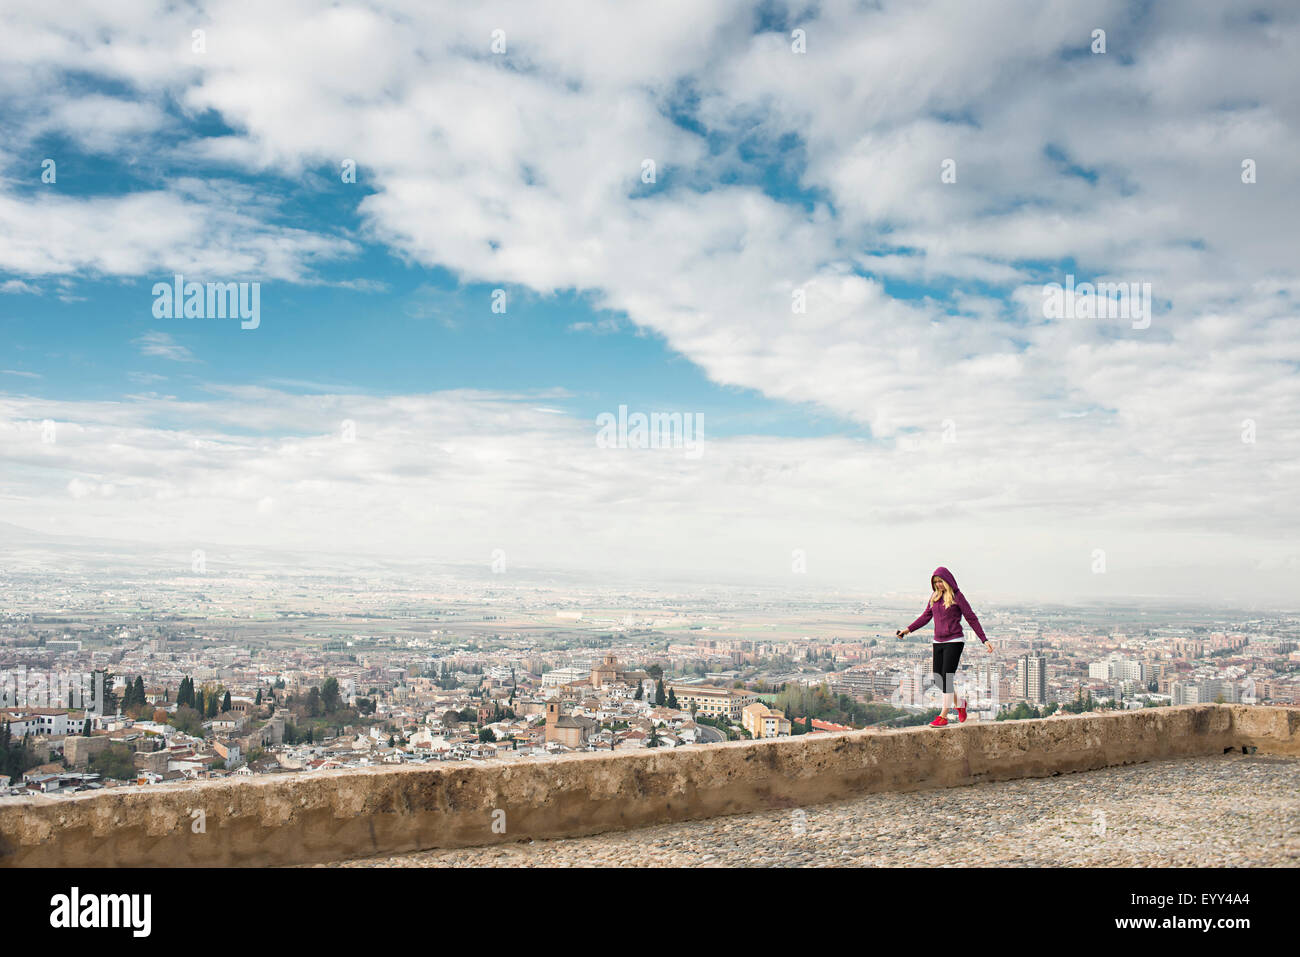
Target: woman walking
(947, 606)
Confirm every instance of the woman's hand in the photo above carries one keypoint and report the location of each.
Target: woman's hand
(902, 633)
(988, 646)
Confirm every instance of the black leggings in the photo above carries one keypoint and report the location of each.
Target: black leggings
(947, 655)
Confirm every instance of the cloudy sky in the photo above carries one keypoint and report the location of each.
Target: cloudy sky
(823, 230)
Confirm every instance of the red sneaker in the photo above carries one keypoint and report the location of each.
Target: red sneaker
(939, 722)
(961, 712)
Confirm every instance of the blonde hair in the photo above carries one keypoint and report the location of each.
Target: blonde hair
(947, 594)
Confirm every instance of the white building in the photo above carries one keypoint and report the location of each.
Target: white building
(1031, 678)
(45, 721)
(564, 676)
(1115, 669)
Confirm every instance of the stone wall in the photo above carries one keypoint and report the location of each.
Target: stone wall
(335, 815)
(78, 749)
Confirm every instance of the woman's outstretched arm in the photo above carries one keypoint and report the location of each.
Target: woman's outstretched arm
(920, 622)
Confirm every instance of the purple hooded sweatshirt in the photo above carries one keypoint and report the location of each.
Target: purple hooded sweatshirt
(947, 621)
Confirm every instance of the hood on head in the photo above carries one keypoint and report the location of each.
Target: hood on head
(946, 575)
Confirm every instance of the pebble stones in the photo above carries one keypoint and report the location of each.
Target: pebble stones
(1229, 810)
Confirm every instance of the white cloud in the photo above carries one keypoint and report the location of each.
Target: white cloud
(163, 346)
(450, 476)
(152, 233)
(525, 171)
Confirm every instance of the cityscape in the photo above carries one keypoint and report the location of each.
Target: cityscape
(216, 674)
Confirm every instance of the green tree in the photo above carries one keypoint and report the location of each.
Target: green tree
(117, 761)
(187, 720)
(1022, 710)
(16, 757)
(225, 702)
(330, 698)
(110, 697)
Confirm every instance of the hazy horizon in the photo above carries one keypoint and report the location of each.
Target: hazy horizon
(61, 555)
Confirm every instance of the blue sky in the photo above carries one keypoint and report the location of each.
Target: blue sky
(921, 402)
(410, 328)
(318, 338)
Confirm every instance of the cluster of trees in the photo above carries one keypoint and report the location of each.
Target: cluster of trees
(117, 761)
(208, 701)
(321, 709)
(322, 702)
(880, 712)
(446, 680)
(498, 713)
(798, 701)
(1023, 709)
(1081, 703)
(135, 705)
(292, 735)
(15, 756)
(662, 700)
(133, 700)
(187, 720)
(732, 731)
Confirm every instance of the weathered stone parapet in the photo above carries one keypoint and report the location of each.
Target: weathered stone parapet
(1275, 730)
(335, 815)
